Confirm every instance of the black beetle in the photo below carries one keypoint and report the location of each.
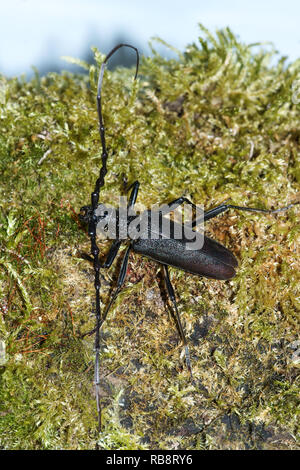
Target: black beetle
(211, 260)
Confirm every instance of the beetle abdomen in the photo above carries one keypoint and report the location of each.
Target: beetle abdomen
(213, 260)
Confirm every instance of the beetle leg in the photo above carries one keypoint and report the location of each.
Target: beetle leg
(133, 194)
(178, 202)
(179, 325)
(210, 214)
(107, 263)
(113, 251)
(120, 283)
(111, 254)
(266, 211)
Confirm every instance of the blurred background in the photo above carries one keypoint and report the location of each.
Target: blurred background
(38, 33)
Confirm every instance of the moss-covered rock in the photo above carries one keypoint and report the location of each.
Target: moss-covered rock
(219, 122)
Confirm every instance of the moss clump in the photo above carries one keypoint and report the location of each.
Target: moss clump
(218, 122)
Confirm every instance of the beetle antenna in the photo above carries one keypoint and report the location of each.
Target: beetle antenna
(103, 171)
(93, 222)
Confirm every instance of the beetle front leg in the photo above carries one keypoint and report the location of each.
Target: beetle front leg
(113, 251)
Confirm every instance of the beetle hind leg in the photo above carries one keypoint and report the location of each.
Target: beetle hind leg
(171, 294)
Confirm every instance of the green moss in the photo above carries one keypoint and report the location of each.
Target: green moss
(218, 122)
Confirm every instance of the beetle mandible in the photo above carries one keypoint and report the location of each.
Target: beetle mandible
(212, 260)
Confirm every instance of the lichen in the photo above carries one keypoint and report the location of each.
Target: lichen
(218, 122)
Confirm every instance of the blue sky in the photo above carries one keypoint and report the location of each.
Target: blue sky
(36, 32)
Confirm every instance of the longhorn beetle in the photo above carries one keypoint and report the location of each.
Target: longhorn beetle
(211, 261)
